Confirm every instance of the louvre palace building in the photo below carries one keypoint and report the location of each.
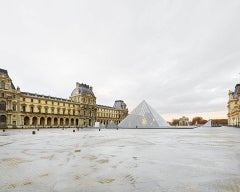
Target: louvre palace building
(234, 107)
(29, 110)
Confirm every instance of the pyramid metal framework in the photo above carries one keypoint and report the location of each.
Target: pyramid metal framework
(143, 116)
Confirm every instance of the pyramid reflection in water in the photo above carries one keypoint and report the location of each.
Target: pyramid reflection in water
(143, 116)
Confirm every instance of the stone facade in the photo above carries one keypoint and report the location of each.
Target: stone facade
(23, 109)
(183, 121)
(234, 107)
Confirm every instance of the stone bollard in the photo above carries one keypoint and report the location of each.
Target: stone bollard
(33, 132)
(73, 130)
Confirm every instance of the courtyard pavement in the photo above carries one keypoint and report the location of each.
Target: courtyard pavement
(89, 160)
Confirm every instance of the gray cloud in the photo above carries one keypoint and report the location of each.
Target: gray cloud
(181, 56)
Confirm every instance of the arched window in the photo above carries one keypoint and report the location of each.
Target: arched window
(49, 121)
(67, 121)
(72, 122)
(55, 121)
(34, 121)
(3, 105)
(42, 121)
(26, 120)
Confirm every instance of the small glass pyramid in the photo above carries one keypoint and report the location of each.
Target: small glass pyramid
(143, 116)
(208, 124)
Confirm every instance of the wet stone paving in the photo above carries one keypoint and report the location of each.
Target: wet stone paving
(191, 160)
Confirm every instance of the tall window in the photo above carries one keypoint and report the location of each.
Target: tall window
(24, 108)
(3, 119)
(2, 85)
(3, 105)
(14, 107)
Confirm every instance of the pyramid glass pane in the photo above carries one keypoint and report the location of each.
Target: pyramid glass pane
(143, 116)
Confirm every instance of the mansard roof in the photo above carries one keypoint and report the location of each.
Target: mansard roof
(105, 106)
(82, 89)
(4, 71)
(45, 97)
(236, 91)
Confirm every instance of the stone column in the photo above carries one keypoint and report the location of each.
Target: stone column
(52, 121)
(45, 123)
(8, 121)
(30, 118)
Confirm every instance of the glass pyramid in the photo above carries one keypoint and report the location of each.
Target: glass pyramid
(208, 124)
(112, 125)
(143, 116)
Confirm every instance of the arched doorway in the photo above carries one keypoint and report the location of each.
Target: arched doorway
(49, 120)
(90, 122)
(55, 121)
(2, 106)
(34, 121)
(42, 121)
(3, 121)
(76, 122)
(67, 121)
(72, 122)
(26, 121)
(61, 121)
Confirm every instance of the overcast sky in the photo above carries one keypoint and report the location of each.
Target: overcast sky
(182, 57)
